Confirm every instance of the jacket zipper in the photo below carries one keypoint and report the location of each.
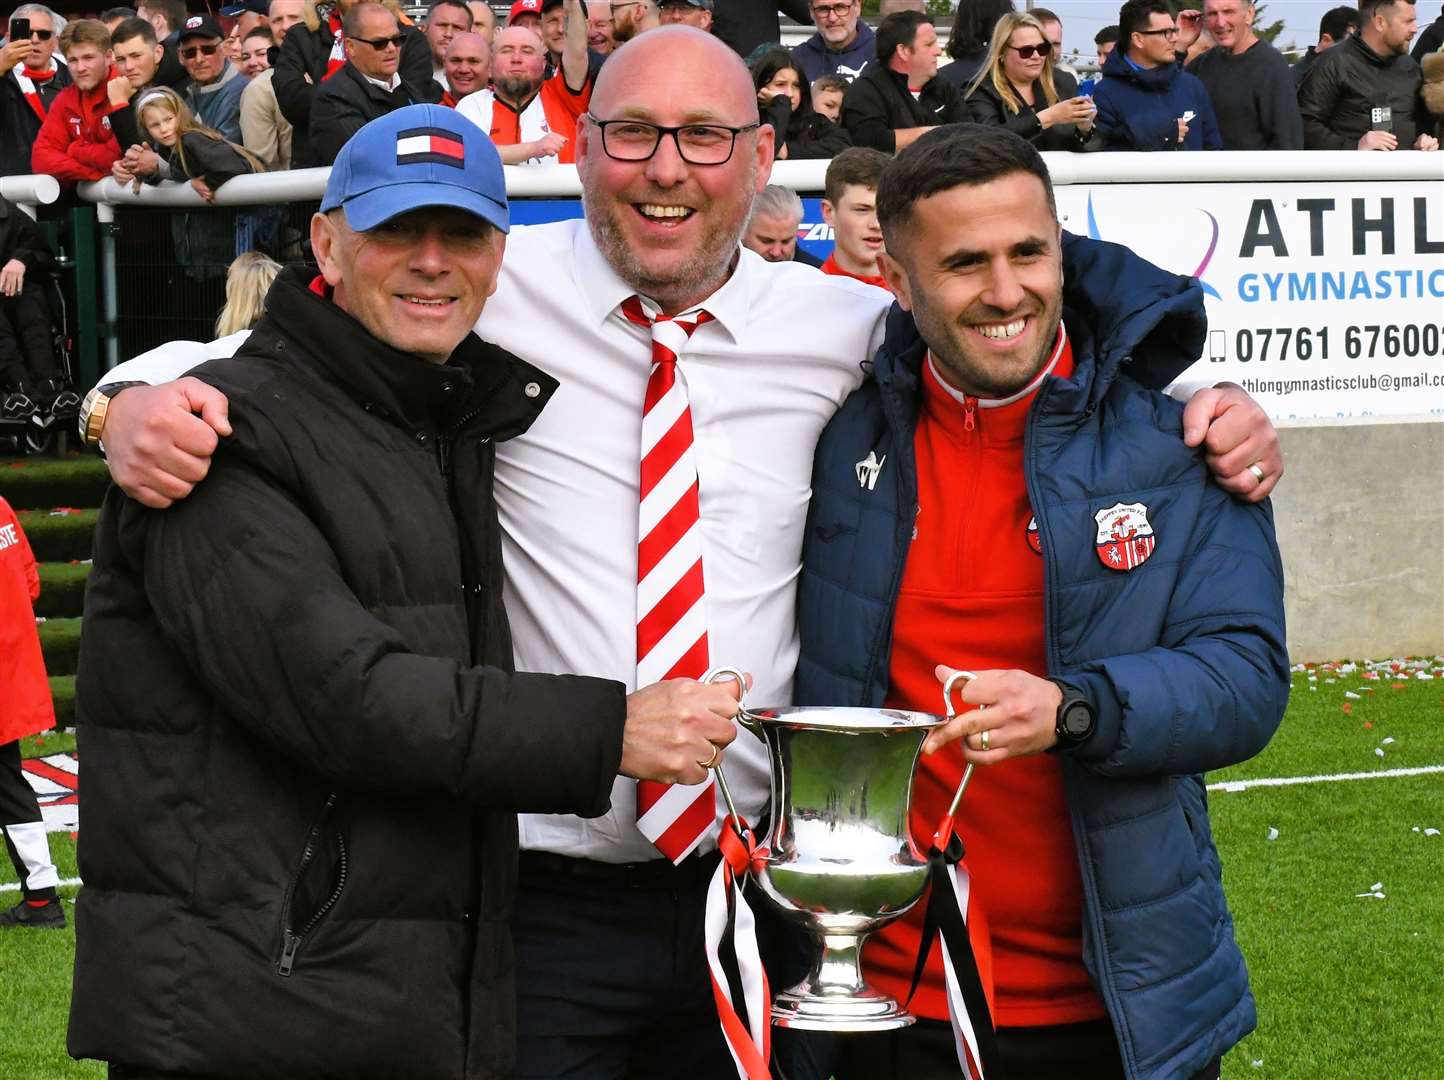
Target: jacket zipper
(290, 939)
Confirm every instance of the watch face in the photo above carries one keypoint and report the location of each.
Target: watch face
(1078, 719)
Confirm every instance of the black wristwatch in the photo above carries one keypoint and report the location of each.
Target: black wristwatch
(1076, 718)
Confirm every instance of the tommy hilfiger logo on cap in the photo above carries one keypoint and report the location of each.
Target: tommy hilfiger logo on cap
(416, 146)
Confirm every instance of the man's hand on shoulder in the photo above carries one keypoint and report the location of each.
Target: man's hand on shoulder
(1238, 438)
(159, 439)
(675, 726)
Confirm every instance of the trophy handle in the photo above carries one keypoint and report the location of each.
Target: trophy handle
(953, 680)
(722, 674)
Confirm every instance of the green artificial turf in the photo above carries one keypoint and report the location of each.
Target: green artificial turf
(1348, 986)
(60, 641)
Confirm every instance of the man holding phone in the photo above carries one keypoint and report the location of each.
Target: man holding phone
(30, 81)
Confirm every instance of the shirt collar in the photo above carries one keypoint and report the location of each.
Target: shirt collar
(603, 290)
(392, 84)
(998, 403)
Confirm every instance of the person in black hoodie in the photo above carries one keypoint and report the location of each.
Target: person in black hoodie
(30, 81)
(1430, 41)
(784, 100)
(880, 109)
(313, 51)
(309, 662)
(1019, 88)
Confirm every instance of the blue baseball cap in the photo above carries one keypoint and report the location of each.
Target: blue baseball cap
(422, 155)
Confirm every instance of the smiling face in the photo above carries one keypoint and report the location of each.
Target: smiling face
(668, 228)
(468, 64)
(88, 65)
(1018, 71)
(599, 27)
(836, 21)
(1230, 22)
(255, 55)
(554, 28)
(981, 269)
(417, 282)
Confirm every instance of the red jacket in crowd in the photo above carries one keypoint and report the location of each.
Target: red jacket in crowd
(75, 142)
(25, 706)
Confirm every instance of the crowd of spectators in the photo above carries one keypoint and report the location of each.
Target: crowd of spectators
(288, 81)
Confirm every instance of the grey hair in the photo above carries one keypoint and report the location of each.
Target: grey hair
(57, 20)
(776, 201)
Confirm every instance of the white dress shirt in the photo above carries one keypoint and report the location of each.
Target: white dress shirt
(784, 350)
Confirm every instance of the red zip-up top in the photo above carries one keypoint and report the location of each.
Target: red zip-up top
(830, 266)
(972, 598)
(75, 143)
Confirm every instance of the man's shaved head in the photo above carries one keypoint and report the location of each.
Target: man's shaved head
(671, 228)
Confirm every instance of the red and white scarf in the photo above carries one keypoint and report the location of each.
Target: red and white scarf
(27, 80)
(337, 59)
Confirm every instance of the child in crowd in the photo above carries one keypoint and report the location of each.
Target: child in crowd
(198, 154)
(827, 91)
(31, 380)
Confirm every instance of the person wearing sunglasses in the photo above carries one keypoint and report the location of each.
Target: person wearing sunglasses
(1019, 88)
(369, 85)
(1145, 100)
(214, 93)
(30, 81)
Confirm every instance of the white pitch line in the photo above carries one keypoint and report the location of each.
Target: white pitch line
(14, 886)
(1330, 778)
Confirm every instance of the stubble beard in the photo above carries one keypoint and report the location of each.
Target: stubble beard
(699, 276)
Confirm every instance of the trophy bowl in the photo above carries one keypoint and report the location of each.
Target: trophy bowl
(841, 858)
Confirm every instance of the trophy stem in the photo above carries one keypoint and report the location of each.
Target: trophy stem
(835, 996)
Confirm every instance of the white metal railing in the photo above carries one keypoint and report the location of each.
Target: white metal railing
(30, 191)
(560, 181)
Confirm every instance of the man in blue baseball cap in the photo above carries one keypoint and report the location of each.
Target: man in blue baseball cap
(305, 744)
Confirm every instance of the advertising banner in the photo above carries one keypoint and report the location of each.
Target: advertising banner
(1324, 300)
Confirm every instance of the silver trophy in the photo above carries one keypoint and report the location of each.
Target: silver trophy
(841, 858)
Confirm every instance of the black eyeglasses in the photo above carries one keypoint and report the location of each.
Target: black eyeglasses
(1167, 31)
(698, 144)
(192, 51)
(831, 11)
(42, 35)
(379, 43)
(1027, 52)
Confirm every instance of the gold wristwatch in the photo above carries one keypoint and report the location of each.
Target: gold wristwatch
(94, 408)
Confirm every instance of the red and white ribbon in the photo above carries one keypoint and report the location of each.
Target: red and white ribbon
(739, 982)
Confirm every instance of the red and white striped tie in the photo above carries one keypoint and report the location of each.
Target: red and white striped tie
(671, 613)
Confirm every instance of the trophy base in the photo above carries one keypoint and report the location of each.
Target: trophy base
(868, 1011)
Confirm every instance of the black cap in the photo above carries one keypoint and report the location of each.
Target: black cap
(202, 26)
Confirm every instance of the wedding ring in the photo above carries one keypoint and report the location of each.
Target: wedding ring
(1257, 472)
(716, 751)
(984, 739)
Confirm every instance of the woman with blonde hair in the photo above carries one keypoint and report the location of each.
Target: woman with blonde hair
(1018, 88)
(247, 281)
(198, 154)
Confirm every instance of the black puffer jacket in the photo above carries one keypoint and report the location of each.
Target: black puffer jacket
(1347, 83)
(301, 63)
(304, 749)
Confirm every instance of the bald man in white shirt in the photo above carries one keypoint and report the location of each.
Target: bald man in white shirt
(612, 979)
